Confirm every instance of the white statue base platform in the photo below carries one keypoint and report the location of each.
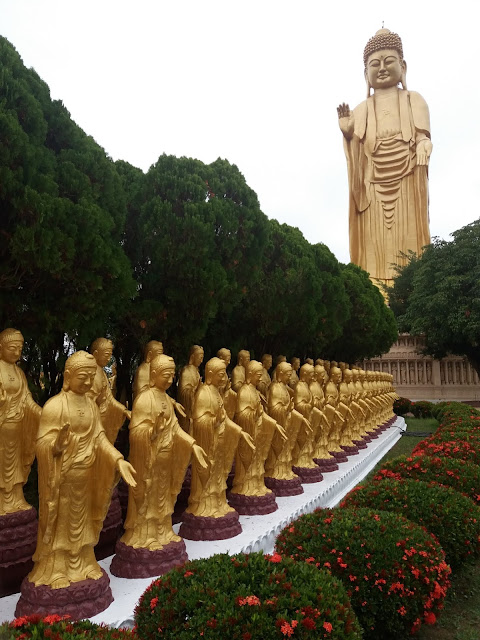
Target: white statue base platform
(258, 532)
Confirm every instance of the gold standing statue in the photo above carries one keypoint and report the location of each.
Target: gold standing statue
(77, 470)
(249, 495)
(19, 419)
(208, 515)
(228, 394)
(141, 380)
(265, 380)
(188, 384)
(160, 451)
(387, 144)
(239, 372)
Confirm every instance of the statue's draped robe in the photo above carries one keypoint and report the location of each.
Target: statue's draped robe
(19, 418)
(250, 470)
(141, 381)
(265, 382)
(304, 447)
(238, 377)
(160, 465)
(388, 206)
(75, 490)
(112, 412)
(188, 384)
(279, 461)
(219, 437)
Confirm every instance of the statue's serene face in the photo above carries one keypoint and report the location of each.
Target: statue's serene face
(103, 355)
(227, 358)
(163, 378)
(384, 69)
(197, 357)
(296, 364)
(285, 375)
(80, 380)
(11, 352)
(255, 377)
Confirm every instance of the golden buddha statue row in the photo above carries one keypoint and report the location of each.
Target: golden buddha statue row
(278, 437)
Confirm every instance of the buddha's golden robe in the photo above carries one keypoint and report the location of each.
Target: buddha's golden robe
(280, 407)
(265, 382)
(19, 419)
(75, 490)
(388, 190)
(218, 436)
(188, 384)
(112, 412)
(160, 465)
(141, 381)
(250, 469)
(303, 450)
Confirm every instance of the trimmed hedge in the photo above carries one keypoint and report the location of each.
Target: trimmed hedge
(395, 571)
(57, 628)
(246, 597)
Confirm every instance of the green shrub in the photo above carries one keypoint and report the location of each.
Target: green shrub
(453, 518)
(460, 475)
(246, 597)
(395, 571)
(422, 409)
(401, 406)
(58, 628)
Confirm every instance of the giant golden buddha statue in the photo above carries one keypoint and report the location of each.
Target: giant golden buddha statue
(208, 515)
(77, 470)
(160, 451)
(387, 144)
(19, 419)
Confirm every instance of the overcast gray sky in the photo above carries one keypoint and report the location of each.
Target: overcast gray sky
(258, 82)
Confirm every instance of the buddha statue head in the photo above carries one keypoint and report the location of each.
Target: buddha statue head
(284, 372)
(225, 355)
(309, 361)
(195, 355)
(79, 372)
(280, 359)
(347, 375)
(102, 349)
(215, 372)
(320, 373)
(335, 375)
(11, 345)
(162, 371)
(152, 349)
(295, 362)
(243, 358)
(383, 60)
(307, 371)
(254, 372)
(267, 361)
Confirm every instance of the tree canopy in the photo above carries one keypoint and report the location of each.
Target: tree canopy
(182, 253)
(438, 295)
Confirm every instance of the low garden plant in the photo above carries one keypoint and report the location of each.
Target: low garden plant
(457, 448)
(246, 597)
(54, 627)
(401, 406)
(453, 518)
(460, 475)
(395, 571)
(422, 409)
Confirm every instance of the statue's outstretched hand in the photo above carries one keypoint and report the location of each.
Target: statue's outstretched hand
(424, 151)
(201, 457)
(344, 114)
(127, 472)
(61, 441)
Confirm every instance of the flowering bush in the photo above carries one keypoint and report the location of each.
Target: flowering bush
(460, 475)
(402, 406)
(395, 572)
(451, 411)
(454, 519)
(246, 597)
(58, 628)
(457, 448)
(422, 409)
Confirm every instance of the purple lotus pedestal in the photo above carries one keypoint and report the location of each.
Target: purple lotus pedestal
(284, 488)
(129, 562)
(80, 600)
(18, 539)
(253, 505)
(308, 475)
(326, 464)
(207, 528)
(350, 450)
(340, 456)
(360, 444)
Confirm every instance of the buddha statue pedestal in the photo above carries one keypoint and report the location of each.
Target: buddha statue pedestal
(18, 539)
(129, 562)
(210, 528)
(283, 488)
(326, 464)
(253, 505)
(82, 599)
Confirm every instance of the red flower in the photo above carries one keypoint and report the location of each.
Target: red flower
(276, 557)
(187, 574)
(309, 623)
(51, 619)
(327, 626)
(153, 603)
(430, 618)
(402, 611)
